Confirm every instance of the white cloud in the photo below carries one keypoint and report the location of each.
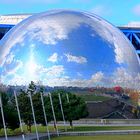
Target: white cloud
(45, 29)
(51, 29)
(41, 73)
(124, 78)
(5, 49)
(53, 57)
(77, 59)
(18, 80)
(136, 10)
(9, 58)
(64, 81)
(97, 77)
(119, 54)
(116, 41)
(54, 76)
(13, 67)
(120, 78)
(54, 71)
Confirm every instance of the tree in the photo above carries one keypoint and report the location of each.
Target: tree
(38, 106)
(25, 109)
(73, 110)
(10, 113)
(25, 106)
(11, 117)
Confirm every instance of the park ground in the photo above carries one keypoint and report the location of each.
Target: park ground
(42, 129)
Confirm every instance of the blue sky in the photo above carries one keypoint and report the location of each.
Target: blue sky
(118, 12)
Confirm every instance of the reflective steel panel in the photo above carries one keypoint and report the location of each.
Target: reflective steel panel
(68, 48)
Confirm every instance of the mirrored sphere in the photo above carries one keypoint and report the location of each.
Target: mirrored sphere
(68, 48)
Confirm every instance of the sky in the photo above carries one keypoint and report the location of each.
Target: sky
(118, 12)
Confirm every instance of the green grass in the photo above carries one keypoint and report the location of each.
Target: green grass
(93, 97)
(10, 132)
(101, 128)
(42, 129)
(103, 137)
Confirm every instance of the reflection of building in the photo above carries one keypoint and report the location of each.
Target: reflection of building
(8, 21)
(133, 34)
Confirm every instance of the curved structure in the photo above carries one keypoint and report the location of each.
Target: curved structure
(132, 31)
(68, 48)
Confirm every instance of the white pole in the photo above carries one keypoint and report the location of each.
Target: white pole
(3, 119)
(53, 114)
(67, 97)
(30, 96)
(19, 116)
(45, 117)
(60, 101)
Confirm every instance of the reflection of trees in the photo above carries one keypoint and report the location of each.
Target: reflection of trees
(134, 95)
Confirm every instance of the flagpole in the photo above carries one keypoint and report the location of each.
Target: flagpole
(19, 116)
(45, 117)
(60, 102)
(53, 114)
(33, 113)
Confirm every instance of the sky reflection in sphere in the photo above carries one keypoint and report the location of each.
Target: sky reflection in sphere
(68, 48)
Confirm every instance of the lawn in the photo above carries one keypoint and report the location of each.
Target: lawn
(86, 128)
(94, 97)
(103, 137)
(42, 129)
(101, 128)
